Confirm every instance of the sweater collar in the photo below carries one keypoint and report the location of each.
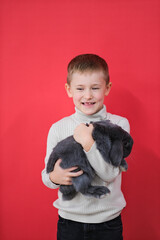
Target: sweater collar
(101, 115)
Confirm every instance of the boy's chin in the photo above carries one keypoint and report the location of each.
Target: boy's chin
(90, 110)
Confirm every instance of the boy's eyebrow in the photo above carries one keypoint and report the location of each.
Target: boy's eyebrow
(94, 84)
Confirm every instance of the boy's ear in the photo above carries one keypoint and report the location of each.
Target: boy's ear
(108, 88)
(68, 90)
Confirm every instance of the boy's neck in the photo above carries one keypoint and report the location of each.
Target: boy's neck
(101, 115)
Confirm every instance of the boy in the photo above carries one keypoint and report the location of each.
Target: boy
(86, 217)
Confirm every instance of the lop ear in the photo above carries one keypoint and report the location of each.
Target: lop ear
(68, 90)
(116, 153)
(108, 88)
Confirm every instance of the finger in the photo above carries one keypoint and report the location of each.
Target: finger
(71, 169)
(91, 126)
(68, 181)
(75, 174)
(59, 161)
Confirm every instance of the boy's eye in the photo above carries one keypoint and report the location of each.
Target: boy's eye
(79, 89)
(96, 88)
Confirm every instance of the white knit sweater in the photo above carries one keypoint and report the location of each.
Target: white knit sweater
(82, 208)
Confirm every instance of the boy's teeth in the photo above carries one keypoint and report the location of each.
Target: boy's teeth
(88, 103)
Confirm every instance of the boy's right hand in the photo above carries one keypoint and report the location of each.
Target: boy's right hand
(62, 176)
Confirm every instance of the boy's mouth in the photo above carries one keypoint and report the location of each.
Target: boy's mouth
(88, 103)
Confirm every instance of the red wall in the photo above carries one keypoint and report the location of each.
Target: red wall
(38, 38)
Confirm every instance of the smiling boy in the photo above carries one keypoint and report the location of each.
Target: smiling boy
(88, 91)
(83, 217)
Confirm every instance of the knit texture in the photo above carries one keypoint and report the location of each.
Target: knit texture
(82, 208)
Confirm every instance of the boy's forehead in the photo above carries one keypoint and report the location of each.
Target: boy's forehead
(88, 73)
(94, 78)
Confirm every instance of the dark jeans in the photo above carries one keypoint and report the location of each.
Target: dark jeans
(70, 230)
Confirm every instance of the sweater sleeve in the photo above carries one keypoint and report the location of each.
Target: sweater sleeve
(51, 142)
(104, 170)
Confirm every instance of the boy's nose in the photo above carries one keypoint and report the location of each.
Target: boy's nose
(87, 94)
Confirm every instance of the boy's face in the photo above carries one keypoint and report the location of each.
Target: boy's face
(88, 91)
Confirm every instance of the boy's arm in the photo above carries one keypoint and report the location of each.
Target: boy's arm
(58, 176)
(103, 169)
(51, 142)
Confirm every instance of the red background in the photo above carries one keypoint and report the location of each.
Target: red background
(38, 38)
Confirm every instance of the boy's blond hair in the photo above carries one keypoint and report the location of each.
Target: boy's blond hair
(87, 63)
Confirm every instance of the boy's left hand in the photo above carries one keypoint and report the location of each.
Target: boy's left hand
(83, 135)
